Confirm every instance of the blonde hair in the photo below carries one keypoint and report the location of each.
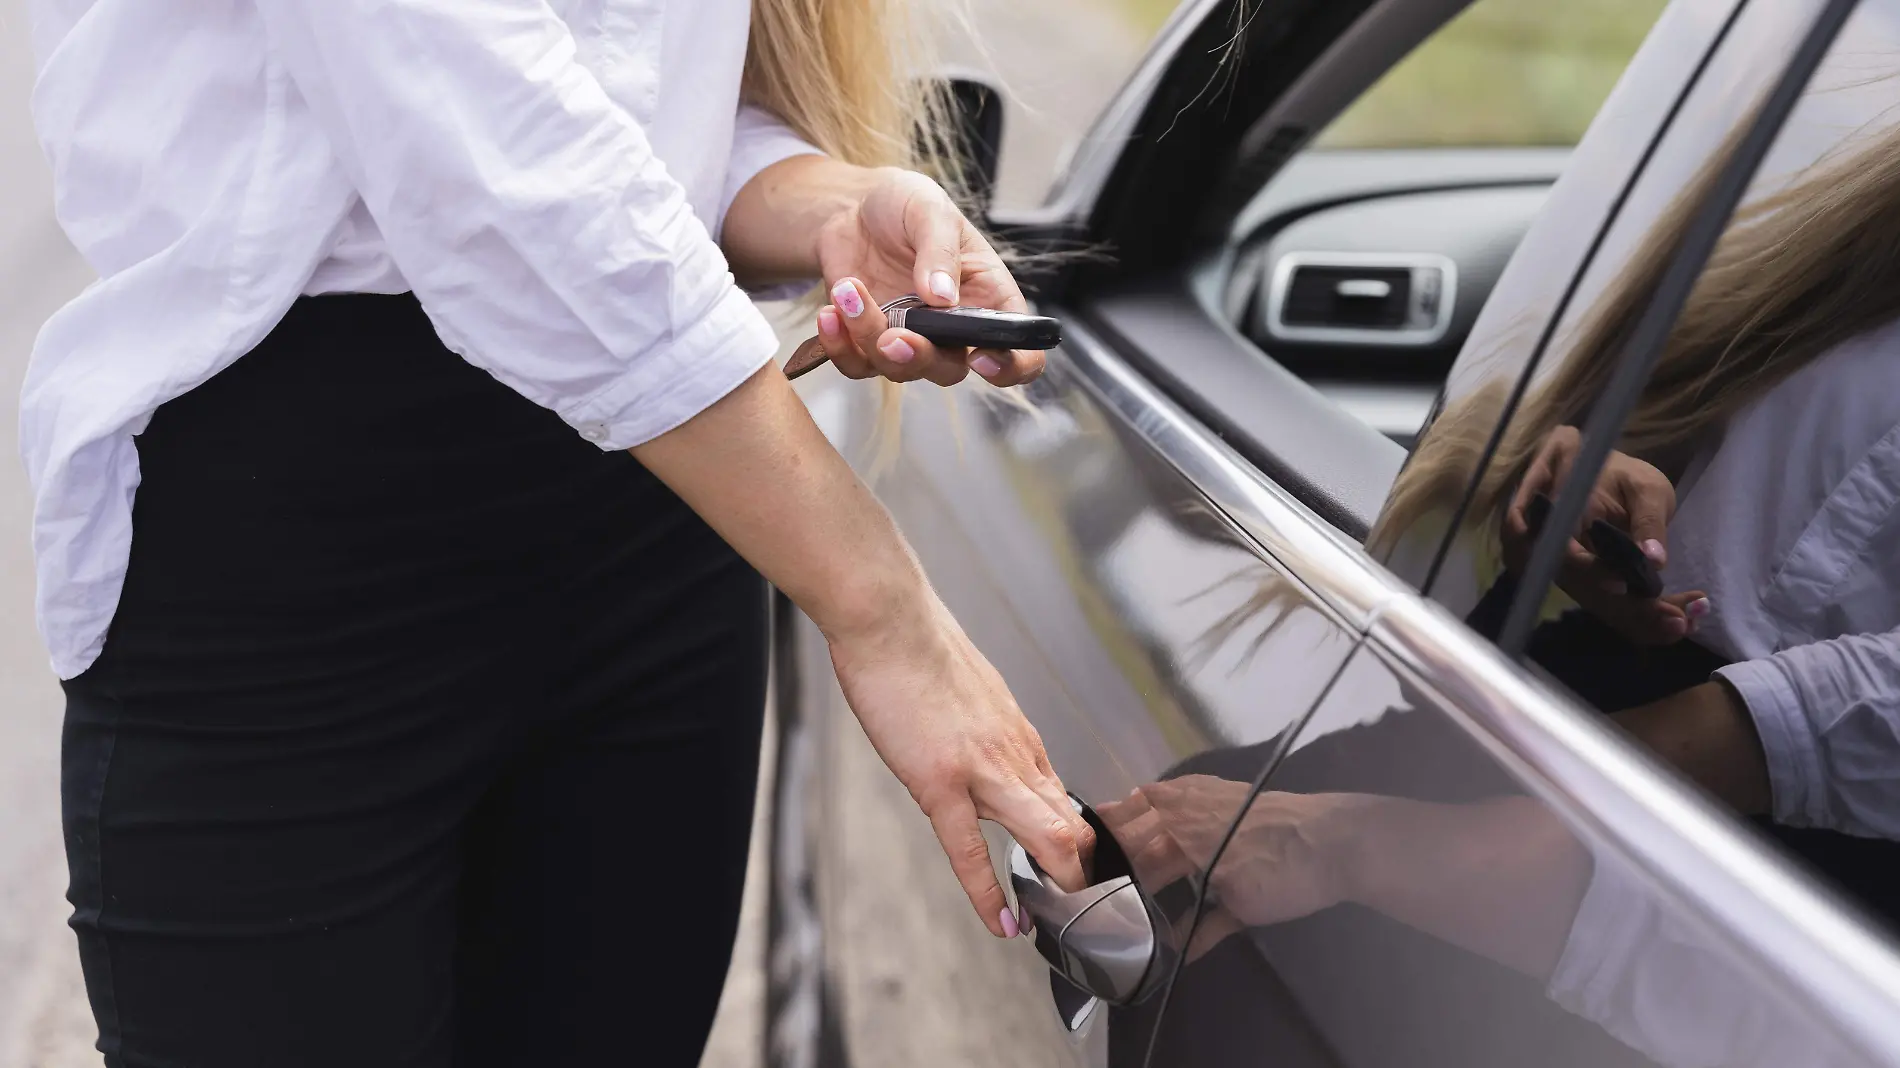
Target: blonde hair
(1798, 272)
(850, 76)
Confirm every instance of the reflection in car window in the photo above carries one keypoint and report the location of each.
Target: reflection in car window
(1504, 73)
(1392, 871)
(1757, 484)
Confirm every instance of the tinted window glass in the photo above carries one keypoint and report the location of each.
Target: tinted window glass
(1613, 190)
(1733, 595)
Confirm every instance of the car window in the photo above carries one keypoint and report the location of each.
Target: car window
(1503, 73)
(1059, 66)
(1485, 911)
(1364, 263)
(1730, 595)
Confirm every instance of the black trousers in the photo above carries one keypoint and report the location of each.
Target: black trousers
(425, 733)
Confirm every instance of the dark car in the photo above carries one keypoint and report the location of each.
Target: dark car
(1244, 557)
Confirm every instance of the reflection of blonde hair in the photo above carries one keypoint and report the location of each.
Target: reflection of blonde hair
(1798, 272)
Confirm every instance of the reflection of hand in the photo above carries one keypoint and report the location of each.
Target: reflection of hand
(1499, 877)
(1631, 495)
(1291, 856)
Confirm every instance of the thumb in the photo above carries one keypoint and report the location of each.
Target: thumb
(936, 232)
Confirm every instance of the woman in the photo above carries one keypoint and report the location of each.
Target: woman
(410, 721)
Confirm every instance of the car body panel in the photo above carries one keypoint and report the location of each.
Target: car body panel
(1159, 548)
(1105, 586)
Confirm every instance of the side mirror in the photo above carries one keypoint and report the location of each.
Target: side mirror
(976, 136)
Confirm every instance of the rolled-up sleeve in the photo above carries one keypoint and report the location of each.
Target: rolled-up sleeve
(528, 212)
(759, 139)
(1828, 714)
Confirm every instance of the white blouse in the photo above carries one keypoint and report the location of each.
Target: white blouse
(547, 176)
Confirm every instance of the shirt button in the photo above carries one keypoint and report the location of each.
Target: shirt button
(594, 431)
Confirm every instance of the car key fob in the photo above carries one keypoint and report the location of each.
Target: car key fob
(1620, 553)
(980, 328)
(1617, 550)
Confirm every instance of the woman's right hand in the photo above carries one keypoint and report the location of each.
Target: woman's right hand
(945, 723)
(1631, 495)
(757, 469)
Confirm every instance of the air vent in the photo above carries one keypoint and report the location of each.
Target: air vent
(1355, 298)
(1376, 298)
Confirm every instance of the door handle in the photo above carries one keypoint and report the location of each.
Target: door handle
(1107, 939)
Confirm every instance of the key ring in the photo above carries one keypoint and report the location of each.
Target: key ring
(811, 355)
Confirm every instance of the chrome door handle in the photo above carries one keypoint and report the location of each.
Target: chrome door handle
(1103, 939)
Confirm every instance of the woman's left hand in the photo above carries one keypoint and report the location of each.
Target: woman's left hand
(905, 235)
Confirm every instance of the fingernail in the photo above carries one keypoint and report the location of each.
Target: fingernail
(986, 366)
(1699, 608)
(827, 321)
(943, 285)
(1654, 550)
(897, 350)
(1010, 930)
(845, 296)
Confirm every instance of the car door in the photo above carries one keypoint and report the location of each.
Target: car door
(1158, 548)
(1463, 866)
(1125, 570)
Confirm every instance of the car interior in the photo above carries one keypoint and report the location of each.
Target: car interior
(1362, 271)
(1301, 279)
(1362, 264)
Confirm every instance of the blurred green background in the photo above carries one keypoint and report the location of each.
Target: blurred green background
(1505, 72)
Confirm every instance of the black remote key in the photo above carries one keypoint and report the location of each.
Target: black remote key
(980, 328)
(977, 328)
(1616, 549)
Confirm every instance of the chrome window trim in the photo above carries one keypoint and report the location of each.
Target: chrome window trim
(1807, 940)
(1332, 565)
(1281, 281)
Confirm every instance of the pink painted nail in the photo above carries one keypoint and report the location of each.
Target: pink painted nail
(1010, 930)
(897, 350)
(1699, 608)
(1654, 550)
(943, 285)
(845, 296)
(827, 321)
(986, 366)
